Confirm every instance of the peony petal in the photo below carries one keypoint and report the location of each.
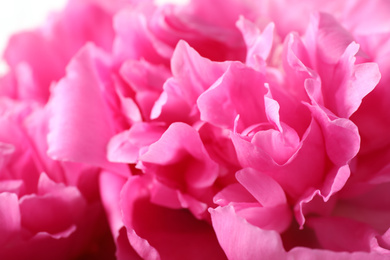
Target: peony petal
(241, 240)
(55, 210)
(347, 231)
(147, 80)
(303, 253)
(266, 190)
(156, 232)
(240, 91)
(133, 38)
(81, 124)
(296, 175)
(259, 44)
(233, 193)
(192, 75)
(47, 51)
(10, 219)
(180, 159)
(342, 140)
(126, 146)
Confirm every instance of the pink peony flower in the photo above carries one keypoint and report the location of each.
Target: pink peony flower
(224, 129)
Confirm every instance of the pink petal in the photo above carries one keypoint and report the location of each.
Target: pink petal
(351, 235)
(328, 37)
(126, 146)
(175, 235)
(54, 211)
(342, 140)
(147, 80)
(10, 219)
(266, 190)
(79, 132)
(47, 50)
(258, 44)
(133, 38)
(192, 75)
(221, 103)
(179, 157)
(296, 175)
(305, 253)
(233, 193)
(241, 240)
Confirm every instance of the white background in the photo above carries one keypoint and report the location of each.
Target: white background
(16, 15)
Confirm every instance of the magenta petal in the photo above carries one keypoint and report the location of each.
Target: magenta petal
(304, 253)
(54, 210)
(10, 219)
(351, 235)
(241, 240)
(111, 186)
(81, 124)
(155, 231)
